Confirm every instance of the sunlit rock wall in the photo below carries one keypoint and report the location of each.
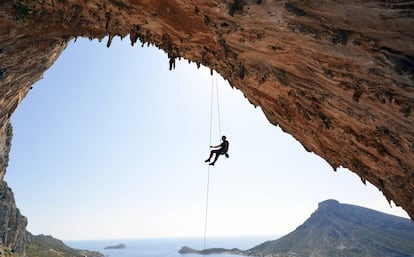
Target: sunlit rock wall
(337, 75)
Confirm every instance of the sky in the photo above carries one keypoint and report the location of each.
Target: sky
(110, 144)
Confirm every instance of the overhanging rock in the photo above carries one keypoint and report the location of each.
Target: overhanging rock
(337, 75)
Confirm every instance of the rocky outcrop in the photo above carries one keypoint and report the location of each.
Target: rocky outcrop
(6, 134)
(12, 223)
(337, 75)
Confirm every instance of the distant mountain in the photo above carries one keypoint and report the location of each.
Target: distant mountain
(47, 246)
(342, 230)
(336, 229)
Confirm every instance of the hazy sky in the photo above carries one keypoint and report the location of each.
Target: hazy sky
(111, 144)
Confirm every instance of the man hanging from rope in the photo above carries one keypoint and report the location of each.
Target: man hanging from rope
(221, 149)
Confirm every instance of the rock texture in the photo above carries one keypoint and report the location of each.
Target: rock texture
(337, 75)
(12, 223)
(335, 230)
(6, 134)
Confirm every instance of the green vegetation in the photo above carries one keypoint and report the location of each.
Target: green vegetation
(338, 230)
(47, 246)
(6, 252)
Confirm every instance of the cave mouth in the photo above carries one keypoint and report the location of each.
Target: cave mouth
(107, 109)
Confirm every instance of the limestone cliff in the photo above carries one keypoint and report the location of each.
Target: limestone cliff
(6, 134)
(337, 75)
(12, 223)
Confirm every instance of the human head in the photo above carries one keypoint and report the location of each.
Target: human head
(223, 138)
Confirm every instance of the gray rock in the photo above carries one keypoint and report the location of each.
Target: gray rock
(12, 223)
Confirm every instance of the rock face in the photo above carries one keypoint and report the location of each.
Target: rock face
(12, 223)
(337, 75)
(335, 230)
(6, 134)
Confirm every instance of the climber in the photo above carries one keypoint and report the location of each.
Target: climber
(222, 149)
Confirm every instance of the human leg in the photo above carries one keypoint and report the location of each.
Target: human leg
(217, 152)
(211, 154)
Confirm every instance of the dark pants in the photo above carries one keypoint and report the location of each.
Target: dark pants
(218, 152)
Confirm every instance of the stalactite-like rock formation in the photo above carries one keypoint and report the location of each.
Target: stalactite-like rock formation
(337, 75)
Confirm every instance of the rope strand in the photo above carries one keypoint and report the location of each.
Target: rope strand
(208, 167)
(211, 130)
(211, 108)
(206, 214)
(218, 108)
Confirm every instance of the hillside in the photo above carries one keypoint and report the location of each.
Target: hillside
(47, 246)
(335, 230)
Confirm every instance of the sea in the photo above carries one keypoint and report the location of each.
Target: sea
(168, 247)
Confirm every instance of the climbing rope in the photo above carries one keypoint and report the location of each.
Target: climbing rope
(206, 214)
(218, 107)
(208, 167)
(211, 130)
(211, 107)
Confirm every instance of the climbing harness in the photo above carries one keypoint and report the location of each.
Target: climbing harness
(211, 129)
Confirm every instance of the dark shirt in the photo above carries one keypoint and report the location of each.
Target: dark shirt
(224, 147)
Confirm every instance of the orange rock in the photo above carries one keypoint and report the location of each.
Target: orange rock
(336, 76)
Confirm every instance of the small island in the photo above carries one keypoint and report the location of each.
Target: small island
(234, 251)
(120, 246)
